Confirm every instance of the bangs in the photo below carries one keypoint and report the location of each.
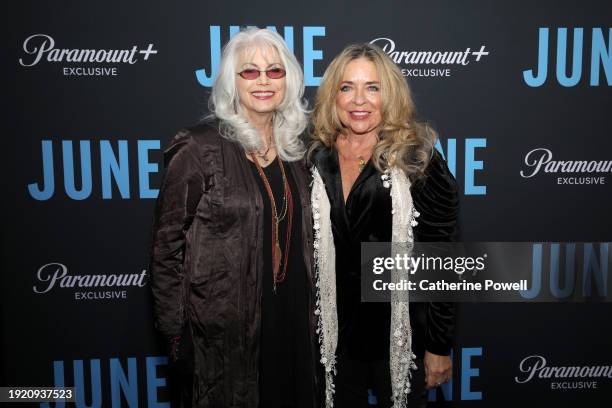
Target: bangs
(269, 53)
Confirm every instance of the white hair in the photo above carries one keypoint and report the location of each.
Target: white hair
(290, 118)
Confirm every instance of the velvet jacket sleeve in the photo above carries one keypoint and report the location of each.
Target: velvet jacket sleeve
(436, 198)
(179, 195)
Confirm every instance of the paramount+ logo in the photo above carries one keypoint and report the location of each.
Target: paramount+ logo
(565, 172)
(588, 61)
(104, 286)
(81, 62)
(564, 377)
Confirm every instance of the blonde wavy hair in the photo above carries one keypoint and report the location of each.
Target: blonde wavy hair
(403, 141)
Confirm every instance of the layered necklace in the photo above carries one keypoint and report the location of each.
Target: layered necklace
(278, 275)
(264, 155)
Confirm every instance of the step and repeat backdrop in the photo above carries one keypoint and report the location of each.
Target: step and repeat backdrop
(520, 93)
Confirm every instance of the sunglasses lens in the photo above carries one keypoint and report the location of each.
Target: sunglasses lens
(275, 73)
(249, 73)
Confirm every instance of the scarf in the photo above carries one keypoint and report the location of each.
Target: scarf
(401, 358)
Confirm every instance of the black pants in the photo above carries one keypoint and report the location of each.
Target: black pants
(355, 377)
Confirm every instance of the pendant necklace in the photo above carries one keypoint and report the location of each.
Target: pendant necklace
(361, 162)
(278, 275)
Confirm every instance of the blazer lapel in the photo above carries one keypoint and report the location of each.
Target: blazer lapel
(327, 163)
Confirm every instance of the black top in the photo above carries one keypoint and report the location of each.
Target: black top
(366, 217)
(285, 369)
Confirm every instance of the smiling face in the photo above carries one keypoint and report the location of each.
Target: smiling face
(358, 101)
(260, 96)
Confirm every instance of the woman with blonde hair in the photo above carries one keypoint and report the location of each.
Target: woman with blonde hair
(231, 262)
(377, 178)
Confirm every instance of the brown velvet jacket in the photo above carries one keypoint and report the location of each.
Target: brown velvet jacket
(207, 261)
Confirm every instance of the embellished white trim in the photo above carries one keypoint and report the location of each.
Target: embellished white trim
(401, 358)
(325, 272)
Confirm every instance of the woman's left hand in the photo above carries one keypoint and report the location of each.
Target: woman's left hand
(438, 369)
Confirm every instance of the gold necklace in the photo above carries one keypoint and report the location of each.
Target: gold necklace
(361, 161)
(278, 274)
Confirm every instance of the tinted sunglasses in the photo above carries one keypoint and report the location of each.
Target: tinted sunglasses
(251, 73)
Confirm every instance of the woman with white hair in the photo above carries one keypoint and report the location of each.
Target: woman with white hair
(232, 247)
